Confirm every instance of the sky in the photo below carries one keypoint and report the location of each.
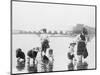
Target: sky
(35, 16)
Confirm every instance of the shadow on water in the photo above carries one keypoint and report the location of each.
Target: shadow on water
(20, 66)
(32, 68)
(80, 66)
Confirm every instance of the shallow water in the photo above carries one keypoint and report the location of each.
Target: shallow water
(60, 48)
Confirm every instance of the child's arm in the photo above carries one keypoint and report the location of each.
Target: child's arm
(77, 38)
(87, 40)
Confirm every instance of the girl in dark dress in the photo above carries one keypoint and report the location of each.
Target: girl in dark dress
(81, 46)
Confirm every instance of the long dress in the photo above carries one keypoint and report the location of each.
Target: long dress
(81, 47)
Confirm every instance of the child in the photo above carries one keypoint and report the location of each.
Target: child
(32, 54)
(82, 41)
(71, 52)
(44, 41)
(20, 55)
(51, 55)
(51, 60)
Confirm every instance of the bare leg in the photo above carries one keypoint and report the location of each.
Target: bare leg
(28, 60)
(80, 58)
(75, 63)
(33, 61)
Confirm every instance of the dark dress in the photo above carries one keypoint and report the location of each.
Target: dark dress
(81, 47)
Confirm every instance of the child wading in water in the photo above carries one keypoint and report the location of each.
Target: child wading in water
(71, 51)
(81, 41)
(82, 52)
(71, 56)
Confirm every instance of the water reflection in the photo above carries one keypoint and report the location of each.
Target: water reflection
(32, 68)
(80, 66)
(71, 66)
(46, 65)
(50, 66)
(20, 66)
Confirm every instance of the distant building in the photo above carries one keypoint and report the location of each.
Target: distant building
(49, 32)
(55, 32)
(61, 32)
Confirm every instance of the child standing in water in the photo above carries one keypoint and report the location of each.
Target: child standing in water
(50, 55)
(71, 52)
(44, 41)
(82, 41)
(71, 56)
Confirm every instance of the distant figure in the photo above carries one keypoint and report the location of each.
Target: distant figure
(44, 41)
(81, 45)
(32, 54)
(20, 55)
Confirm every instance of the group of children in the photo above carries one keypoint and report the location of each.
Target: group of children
(47, 53)
(33, 52)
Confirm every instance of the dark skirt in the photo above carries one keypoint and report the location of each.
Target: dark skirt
(45, 45)
(80, 48)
